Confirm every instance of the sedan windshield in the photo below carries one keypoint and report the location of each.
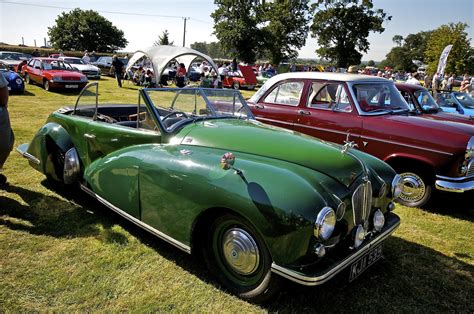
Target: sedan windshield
(426, 101)
(465, 100)
(199, 103)
(379, 98)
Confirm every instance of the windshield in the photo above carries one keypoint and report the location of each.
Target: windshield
(379, 98)
(73, 61)
(426, 101)
(198, 103)
(12, 56)
(465, 100)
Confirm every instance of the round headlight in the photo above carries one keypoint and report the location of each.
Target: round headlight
(397, 186)
(325, 223)
(379, 220)
(359, 236)
(19, 81)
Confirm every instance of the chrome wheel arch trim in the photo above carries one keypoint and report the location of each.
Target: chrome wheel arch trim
(159, 234)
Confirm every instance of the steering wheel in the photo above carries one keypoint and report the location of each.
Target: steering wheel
(174, 113)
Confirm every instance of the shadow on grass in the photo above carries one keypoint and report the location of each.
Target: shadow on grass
(25, 93)
(454, 205)
(410, 277)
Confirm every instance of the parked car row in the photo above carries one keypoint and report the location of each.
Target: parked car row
(195, 168)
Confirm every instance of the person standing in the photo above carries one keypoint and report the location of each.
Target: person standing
(86, 59)
(6, 132)
(450, 84)
(117, 66)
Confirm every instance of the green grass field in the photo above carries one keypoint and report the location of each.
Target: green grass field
(63, 251)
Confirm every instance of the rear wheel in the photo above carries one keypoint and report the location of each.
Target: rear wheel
(417, 188)
(239, 258)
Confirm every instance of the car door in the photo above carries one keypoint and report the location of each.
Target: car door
(328, 113)
(35, 72)
(280, 104)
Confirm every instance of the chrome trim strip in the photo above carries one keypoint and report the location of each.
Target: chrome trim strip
(276, 121)
(454, 178)
(314, 281)
(321, 129)
(406, 145)
(28, 156)
(139, 223)
(456, 186)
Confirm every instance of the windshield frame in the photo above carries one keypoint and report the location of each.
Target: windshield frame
(199, 91)
(419, 106)
(404, 107)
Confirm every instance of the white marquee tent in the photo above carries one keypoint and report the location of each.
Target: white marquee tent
(160, 56)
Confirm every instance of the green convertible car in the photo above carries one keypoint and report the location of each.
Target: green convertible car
(193, 167)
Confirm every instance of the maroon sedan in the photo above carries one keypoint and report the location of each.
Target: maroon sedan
(53, 74)
(427, 151)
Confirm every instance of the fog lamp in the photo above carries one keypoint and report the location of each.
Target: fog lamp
(19, 81)
(359, 236)
(320, 250)
(379, 220)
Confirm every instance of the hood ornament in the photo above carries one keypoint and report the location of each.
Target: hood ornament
(348, 144)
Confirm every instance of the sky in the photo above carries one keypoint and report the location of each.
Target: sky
(144, 20)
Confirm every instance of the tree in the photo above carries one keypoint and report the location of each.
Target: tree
(236, 27)
(85, 30)
(416, 44)
(287, 28)
(252, 28)
(371, 63)
(212, 49)
(398, 39)
(399, 58)
(163, 39)
(460, 57)
(342, 28)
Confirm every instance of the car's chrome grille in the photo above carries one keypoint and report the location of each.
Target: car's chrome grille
(470, 169)
(90, 73)
(361, 203)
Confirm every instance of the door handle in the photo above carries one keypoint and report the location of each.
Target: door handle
(258, 106)
(89, 136)
(304, 112)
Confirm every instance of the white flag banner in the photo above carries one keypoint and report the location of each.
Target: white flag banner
(442, 60)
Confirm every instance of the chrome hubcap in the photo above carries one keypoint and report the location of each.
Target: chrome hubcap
(240, 251)
(414, 188)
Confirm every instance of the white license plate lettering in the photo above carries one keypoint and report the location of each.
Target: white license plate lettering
(71, 86)
(365, 262)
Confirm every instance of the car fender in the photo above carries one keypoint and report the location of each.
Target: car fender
(178, 184)
(397, 156)
(49, 137)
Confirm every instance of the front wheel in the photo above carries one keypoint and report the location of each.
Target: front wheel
(28, 79)
(239, 259)
(46, 85)
(417, 189)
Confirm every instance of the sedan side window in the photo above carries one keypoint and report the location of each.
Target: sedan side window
(288, 93)
(343, 103)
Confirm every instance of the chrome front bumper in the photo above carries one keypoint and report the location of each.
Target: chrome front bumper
(318, 277)
(458, 185)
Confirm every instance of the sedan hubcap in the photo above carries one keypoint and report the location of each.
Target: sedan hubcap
(240, 251)
(414, 188)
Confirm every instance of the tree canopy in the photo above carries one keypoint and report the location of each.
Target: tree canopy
(85, 30)
(460, 59)
(212, 49)
(342, 27)
(163, 39)
(254, 28)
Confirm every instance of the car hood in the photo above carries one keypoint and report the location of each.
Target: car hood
(10, 75)
(85, 67)
(452, 117)
(252, 137)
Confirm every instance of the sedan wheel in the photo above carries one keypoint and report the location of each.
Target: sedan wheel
(416, 190)
(240, 259)
(28, 79)
(46, 85)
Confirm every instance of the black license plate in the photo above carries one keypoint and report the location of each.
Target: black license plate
(369, 258)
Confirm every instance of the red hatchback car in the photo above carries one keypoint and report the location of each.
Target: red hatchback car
(53, 74)
(370, 112)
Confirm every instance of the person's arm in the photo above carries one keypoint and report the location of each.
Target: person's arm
(3, 91)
